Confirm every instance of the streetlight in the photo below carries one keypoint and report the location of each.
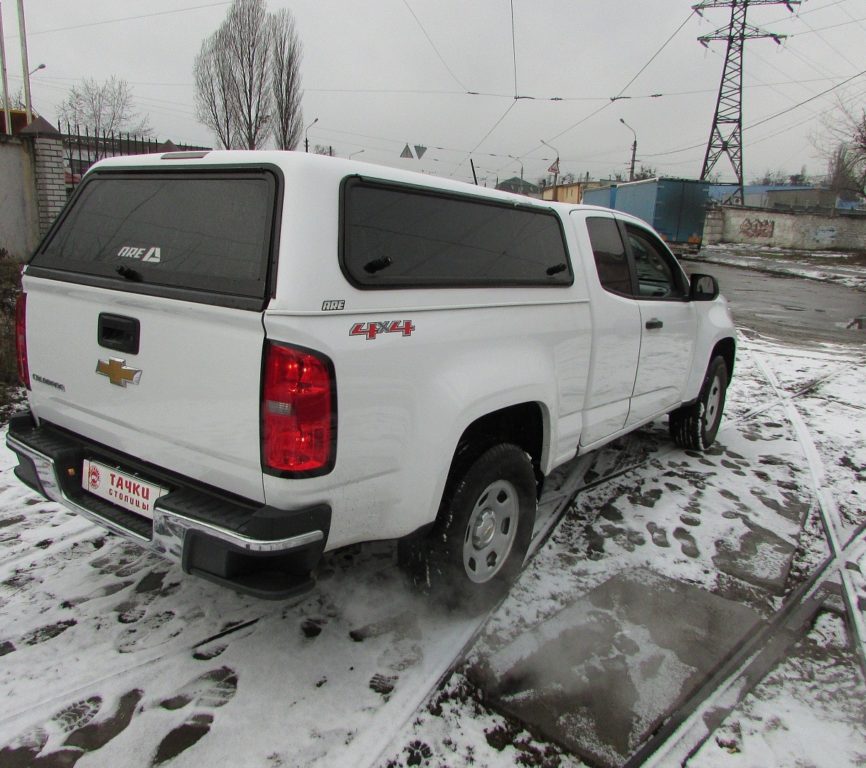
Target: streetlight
(355, 153)
(555, 166)
(306, 139)
(633, 149)
(41, 66)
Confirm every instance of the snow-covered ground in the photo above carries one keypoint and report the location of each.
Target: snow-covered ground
(112, 657)
(730, 522)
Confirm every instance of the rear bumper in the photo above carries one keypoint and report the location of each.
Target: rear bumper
(247, 546)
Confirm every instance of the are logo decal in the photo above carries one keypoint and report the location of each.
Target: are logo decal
(150, 255)
(373, 329)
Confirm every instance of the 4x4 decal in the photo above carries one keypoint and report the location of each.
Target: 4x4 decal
(373, 329)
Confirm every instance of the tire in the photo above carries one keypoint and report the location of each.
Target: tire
(695, 426)
(478, 544)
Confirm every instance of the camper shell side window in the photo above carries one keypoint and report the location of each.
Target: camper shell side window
(399, 236)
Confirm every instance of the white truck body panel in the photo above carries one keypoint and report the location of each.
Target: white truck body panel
(579, 356)
(196, 404)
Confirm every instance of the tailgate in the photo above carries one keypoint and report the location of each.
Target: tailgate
(144, 320)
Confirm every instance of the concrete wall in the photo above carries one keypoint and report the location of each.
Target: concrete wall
(19, 212)
(760, 226)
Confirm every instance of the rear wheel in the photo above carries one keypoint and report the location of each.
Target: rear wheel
(482, 533)
(695, 426)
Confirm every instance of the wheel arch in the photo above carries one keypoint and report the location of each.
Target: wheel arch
(522, 424)
(727, 349)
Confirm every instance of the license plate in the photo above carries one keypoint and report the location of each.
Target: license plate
(121, 488)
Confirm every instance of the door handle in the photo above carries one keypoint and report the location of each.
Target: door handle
(654, 324)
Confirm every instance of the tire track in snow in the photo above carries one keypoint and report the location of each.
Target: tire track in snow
(694, 723)
(829, 513)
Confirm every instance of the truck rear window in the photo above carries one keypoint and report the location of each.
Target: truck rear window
(204, 232)
(397, 236)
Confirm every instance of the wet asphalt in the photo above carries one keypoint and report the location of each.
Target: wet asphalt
(789, 308)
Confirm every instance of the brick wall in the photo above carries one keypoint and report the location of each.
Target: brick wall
(50, 186)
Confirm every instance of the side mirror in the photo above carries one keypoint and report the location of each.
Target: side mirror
(703, 288)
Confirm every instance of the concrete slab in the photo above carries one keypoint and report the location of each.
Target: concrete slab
(602, 674)
(760, 558)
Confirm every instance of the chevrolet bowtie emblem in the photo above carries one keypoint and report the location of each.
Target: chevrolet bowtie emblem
(118, 372)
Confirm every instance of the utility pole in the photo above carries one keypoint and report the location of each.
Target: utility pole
(726, 134)
(25, 65)
(6, 111)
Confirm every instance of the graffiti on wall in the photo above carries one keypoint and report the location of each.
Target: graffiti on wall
(758, 227)
(825, 235)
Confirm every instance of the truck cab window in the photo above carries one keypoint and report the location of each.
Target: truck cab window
(611, 261)
(658, 275)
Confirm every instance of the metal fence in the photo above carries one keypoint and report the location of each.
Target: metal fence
(83, 147)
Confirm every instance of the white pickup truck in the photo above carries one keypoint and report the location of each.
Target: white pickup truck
(241, 360)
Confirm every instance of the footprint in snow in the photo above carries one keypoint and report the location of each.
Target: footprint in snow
(659, 535)
(83, 732)
(687, 542)
(37, 636)
(206, 692)
(149, 632)
(383, 684)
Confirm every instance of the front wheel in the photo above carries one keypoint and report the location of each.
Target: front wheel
(695, 426)
(482, 532)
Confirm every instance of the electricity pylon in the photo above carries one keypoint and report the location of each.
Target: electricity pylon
(726, 134)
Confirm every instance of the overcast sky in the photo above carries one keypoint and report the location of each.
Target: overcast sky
(383, 73)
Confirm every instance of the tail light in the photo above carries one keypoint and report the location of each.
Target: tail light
(21, 340)
(298, 412)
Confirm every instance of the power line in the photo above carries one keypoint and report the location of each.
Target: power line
(484, 138)
(128, 18)
(767, 119)
(805, 101)
(513, 49)
(653, 57)
(626, 86)
(832, 47)
(832, 26)
(433, 45)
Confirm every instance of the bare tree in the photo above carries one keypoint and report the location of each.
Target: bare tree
(843, 175)
(103, 107)
(286, 54)
(214, 89)
(843, 144)
(248, 78)
(645, 172)
(246, 38)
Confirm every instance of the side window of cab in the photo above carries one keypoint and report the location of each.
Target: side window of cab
(658, 274)
(611, 259)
